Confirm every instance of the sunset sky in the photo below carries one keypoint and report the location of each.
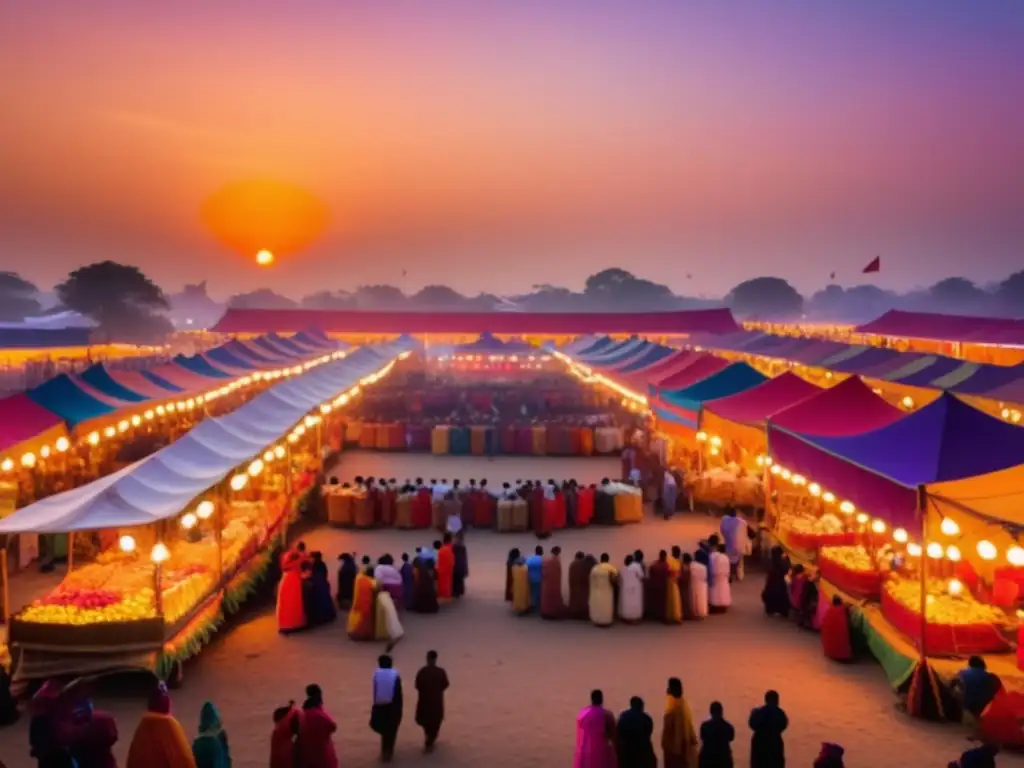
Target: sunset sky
(493, 145)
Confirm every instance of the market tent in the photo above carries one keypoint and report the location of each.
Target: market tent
(200, 365)
(984, 379)
(274, 347)
(137, 381)
(927, 325)
(625, 357)
(71, 400)
(924, 371)
(742, 417)
(163, 484)
(848, 408)
(223, 356)
(881, 470)
(288, 345)
(98, 377)
(261, 359)
(316, 340)
(700, 367)
(812, 354)
(159, 380)
(649, 357)
(610, 354)
(672, 421)
(728, 381)
(584, 344)
(23, 423)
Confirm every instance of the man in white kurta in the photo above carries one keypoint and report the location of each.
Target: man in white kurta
(631, 591)
(734, 529)
(720, 591)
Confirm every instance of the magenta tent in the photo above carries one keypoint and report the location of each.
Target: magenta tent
(886, 471)
(663, 368)
(847, 408)
(700, 368)
(24, 424)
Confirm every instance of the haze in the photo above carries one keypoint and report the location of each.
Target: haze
(493, 146)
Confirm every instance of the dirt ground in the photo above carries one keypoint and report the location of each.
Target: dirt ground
(518, 682)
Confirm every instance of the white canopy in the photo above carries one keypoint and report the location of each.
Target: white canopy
(161, 485)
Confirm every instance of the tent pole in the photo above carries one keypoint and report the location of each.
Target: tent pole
(6, 589)
(222, 502)
(71, 550)
(923, 516)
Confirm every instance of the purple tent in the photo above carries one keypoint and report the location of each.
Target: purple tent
(880, 471)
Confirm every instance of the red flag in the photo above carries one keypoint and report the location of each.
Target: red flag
(874, 266)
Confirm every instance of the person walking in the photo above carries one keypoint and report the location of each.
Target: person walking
(386, 714)
(431, 683)
(634, 736)
(768, 723)
(678, 737)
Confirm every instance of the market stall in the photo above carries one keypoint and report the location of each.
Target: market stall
(171, 544)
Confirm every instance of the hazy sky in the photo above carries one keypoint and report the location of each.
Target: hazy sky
(495, 145)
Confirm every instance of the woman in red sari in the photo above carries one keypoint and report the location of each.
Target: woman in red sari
(445, 569)
(284, 737)
(291, 615)
(835, 632)
(362, 616)
(316, 732)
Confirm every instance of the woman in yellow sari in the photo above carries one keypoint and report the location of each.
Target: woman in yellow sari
(520, 587)
(674, 602)
(362, 616)
(678, 737)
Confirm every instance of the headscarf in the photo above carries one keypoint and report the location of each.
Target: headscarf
(160, 701)
(210, 723)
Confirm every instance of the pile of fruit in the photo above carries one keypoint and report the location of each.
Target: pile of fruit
(942, 607)
(79, 607)
(827, 524)
(853, 557)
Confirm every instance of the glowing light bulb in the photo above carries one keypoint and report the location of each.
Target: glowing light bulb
(953, 553)
(136, 420)
(908, 401)
(159, 410)
(702, 437)
(122, 425)
(914, 549)
(188, 521)
(716, 441)
(776, 469)
(325, 408)
(238, 482)
(94, 438)
(205, 509)
(160, 553)
(847, 508)
(126, 543)
(149, 414)
(255, 468)
(955, 587)
(900, 535)
(7, 465)
(280, 451)
(28, 460)
(935, 550)
(949, 527)
(861, 518)
(828, 497)
(44, 452)
(63, 444)
(1015, 556)
(814, 489)
(293, 438)
(786, 474)
(268, 457)
(878, 526)
(109, 432)
(987, 550)
(759, 460)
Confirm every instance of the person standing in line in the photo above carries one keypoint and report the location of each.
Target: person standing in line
(634, 736)
(835, 632)
(656, 590)
(386, 714)
(552, 606)
(768, 723)
(445, 569)
(514, 555)
(601, 599)
(431, 683)
(595, 735)
(631, 591)
(408, 584)
(461, 570)
(716, 737)
(678, 737)
(534, 569)
(579, 587)
(720, 593)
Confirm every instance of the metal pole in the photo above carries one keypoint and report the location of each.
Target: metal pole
(922, 513)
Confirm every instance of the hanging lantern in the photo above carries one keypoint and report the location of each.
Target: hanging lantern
(126, 543)
(1015, 556)
(987, 550)
(914, 549)
(188, 521)
(238, 482)
(953, 553)
(949, 527)
(899, 535)
(160, 553)
(205, 509)
(878, 526)
(935, 550)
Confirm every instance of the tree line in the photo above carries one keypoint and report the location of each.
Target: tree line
(128, 306)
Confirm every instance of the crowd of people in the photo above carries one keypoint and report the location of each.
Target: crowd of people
(602, 741)
(454, 506)
(372, 593)
(673, 588)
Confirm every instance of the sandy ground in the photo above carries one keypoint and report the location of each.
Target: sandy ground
(517, 682)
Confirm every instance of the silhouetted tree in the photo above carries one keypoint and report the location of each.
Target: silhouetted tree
(262, 298)
(18, 298)
(857, 304)
(957, 294)
(766, 298)
(618, 288)
(437, 297)
(126, 305)
(379, 297)
(1010, 295)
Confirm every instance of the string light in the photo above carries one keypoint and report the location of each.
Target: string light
(847, 508)
(814, 489)
(205, 509)
(94, 438)
(900, 535)
(935, 551)
(955, 587)
(987, 550)
(160, 553)
(63, 444)
(109, 432)
(122, 425)
(280, 451)
(914, 549)
(268, 456)
(1015, 556)
(136, 420)
(878, 526)
(828, 497)
(188, 521)
(28, 460)
(7, 465)
(861, 518)
(238, 482)
(126, 543)
(255, 468)
(953, 553)
(949, 527)
(44, 452)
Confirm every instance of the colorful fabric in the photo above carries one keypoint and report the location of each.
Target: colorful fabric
(362, 614)
(291, 613)
(159, 742)
(678, 737)
(445, 572)
(593, 739)
(552, 606)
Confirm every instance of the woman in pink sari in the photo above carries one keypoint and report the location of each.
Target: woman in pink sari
(595, 734)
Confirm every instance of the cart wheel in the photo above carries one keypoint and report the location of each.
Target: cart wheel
(177, 675)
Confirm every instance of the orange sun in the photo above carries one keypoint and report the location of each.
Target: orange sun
(264, 258)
